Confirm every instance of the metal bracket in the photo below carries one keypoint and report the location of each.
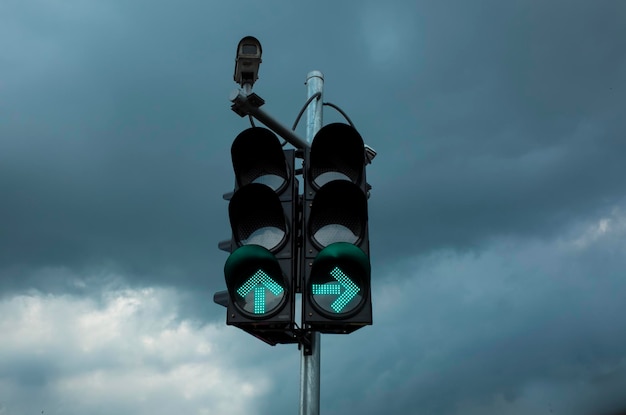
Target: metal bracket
(305, 340)
(249, 105)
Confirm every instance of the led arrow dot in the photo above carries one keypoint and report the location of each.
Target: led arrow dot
(260, 281)
(350, 289)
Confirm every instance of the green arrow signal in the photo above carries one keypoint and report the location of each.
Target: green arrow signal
(350, 289)
(259, 282)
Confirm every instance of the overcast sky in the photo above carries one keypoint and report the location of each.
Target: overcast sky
(497, 215)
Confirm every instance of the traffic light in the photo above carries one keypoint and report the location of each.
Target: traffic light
(335, 255)
(260, 270)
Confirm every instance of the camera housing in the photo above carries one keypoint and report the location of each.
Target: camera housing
(248, 61)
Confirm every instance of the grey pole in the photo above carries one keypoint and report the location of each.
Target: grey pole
(310, 364)
(314, 84)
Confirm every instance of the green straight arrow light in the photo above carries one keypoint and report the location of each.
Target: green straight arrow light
(350, 289)
(259, 282)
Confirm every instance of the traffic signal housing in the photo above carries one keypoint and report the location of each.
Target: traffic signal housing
(335, 256)
(260, 270)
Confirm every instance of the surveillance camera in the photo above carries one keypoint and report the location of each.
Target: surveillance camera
(370, 153)
(248, 61)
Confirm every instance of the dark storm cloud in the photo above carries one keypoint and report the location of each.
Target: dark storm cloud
(117, 128)
(497, 119)
(516, 125)
(111, 141)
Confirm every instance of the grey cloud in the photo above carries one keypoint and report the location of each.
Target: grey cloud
(67, 354)
(465, 329)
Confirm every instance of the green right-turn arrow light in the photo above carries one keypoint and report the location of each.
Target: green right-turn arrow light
(338, 278)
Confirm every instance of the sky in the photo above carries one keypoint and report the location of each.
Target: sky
(497, 214)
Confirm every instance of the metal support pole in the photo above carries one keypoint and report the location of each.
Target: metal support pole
(314, 84)
(310, 377)
(310, 362)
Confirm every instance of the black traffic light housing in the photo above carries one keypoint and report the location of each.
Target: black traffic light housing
(335, 257)
(260, 271)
